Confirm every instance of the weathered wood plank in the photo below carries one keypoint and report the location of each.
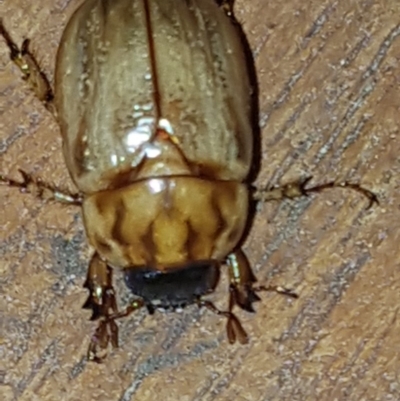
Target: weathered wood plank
(329, 107)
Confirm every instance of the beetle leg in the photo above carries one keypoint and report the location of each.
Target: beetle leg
(101, 299)
(97, 350)
(242, 288)
(234, 328)
(41, 189)
(227, 6)
(297, 189)
(104, 307)
(241, 280)
(107, 331)
(31, 71)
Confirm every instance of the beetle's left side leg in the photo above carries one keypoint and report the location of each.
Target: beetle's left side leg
(102, 302)
(27, 63)
(243, 291)
(41, 189)
(107, 331)
(101, 299)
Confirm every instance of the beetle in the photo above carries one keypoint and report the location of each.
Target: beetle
(155, 102)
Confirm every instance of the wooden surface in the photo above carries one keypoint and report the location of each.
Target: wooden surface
(329, 78)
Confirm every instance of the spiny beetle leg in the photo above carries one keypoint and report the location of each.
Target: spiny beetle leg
(298, 189)
(27, 63)
(42, 190)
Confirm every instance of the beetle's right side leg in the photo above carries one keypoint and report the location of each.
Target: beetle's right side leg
(43, 190)
(234, 328)
(243, 290)
(31, 71)
(101, 299)
(297, 189)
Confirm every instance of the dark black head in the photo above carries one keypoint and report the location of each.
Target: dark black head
(175, 287)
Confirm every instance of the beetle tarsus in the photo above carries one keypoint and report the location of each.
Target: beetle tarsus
(234, 328)
(42, 190)
(276, 288)
(372, 197)
(107, 332)
(298, 189)
(32, 73)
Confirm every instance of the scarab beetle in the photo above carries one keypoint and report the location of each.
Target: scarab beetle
(154, 102)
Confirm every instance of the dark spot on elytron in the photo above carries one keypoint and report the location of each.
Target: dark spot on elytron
(120, 213)
(148, 240)
(191, 241)
(221, 223)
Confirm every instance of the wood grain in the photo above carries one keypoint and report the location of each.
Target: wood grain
(329, 107)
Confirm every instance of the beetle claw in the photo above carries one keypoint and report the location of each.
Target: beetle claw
(235, 331)
(106, 333)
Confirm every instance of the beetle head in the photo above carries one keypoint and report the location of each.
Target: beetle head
(174, 287)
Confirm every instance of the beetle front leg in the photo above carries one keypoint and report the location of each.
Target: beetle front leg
(107, 332)
(29, 66)
(298, 189)
(243, 291)
(101, 301)
(41, 189)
